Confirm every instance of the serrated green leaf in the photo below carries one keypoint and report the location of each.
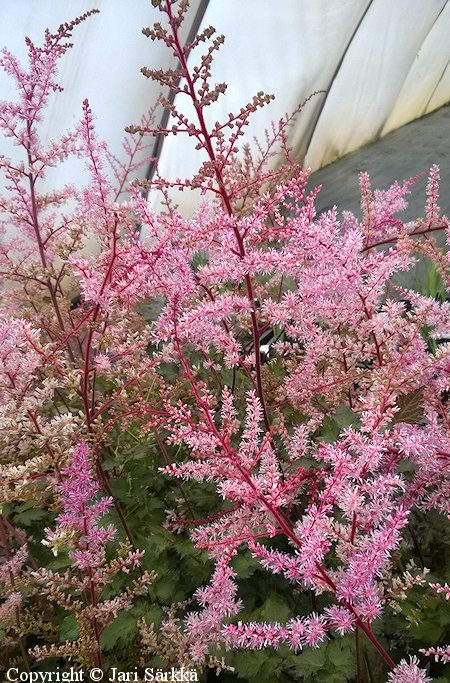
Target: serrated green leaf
(332, 662)
(310, 662)
(153, 615)
(122, 630)
(428, 631)
(245, 565)
(27, 513)
(249, 665)
(168, 589)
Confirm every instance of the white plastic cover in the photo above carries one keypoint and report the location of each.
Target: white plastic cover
(381, 64)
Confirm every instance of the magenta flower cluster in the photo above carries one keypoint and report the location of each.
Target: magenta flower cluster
(82, 511)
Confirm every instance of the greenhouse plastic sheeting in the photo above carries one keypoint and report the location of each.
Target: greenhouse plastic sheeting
(380, 63)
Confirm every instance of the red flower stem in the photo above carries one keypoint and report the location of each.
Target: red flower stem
(93, 592)
(37, 232)
(226, 201)
(415, 233)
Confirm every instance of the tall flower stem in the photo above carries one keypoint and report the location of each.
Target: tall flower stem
(208, 146)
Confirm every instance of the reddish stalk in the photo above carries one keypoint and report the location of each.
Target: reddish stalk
(205, 139)
(415, 233)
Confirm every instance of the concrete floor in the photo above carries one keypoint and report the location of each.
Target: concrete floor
(400, 155)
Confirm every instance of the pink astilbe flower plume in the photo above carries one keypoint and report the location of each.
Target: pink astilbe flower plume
(348, 351)
(78, 529)
(82, 512)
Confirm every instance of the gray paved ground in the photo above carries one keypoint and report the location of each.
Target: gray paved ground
(399, 155)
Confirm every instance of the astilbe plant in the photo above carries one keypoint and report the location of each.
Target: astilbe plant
(79, 528)
(327, 513)
(52, 354)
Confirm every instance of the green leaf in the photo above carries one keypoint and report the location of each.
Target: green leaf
(122, 630)
(61, 562)
(27, 513)
(245, 565)
(346, 417)
(334, 424)
(249, 664)
(69, 628)
(435, 286)
(275, 609)
(332, 662)
(168, 589)
(153, 615)
(429, 632)
(266, 666)
(310, 662)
